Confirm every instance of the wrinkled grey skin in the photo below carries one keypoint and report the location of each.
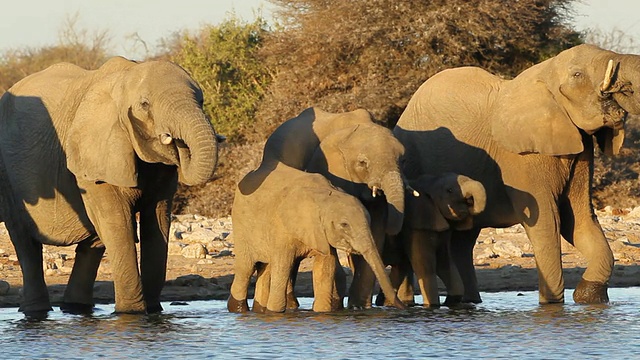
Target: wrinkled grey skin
(81, 153)
(434, 206)
(356, 155)
(530, 142)
(290, 216)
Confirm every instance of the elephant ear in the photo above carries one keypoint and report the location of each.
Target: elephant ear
(529, 120)
(610, 140)
(423, 214)
(97, 145)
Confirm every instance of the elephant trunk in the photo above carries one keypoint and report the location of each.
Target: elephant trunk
(372, 257)
(197, 145)
(476, 196)
(393, 188)
(627, 77)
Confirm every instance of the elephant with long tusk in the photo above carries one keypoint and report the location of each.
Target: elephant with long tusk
(530, 141)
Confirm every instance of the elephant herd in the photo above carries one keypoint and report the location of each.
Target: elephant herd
(86, 156)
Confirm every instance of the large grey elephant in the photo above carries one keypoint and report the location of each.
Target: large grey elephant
(82, 152)
(356, 155)
(530, 142)
(293, 215)
(435, 205)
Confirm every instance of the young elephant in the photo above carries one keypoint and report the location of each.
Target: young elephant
(434, 206)
(291, 215)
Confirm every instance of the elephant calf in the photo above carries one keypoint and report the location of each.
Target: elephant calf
(434, 206)
(281, 215)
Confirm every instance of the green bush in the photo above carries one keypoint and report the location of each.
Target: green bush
(224, 60)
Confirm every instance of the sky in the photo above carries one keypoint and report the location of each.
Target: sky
(37, 23)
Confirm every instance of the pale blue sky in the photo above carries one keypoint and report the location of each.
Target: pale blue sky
(34, 23)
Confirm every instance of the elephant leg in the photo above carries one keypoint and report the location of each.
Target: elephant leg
(263, 282)
(406, 290)
(78, 295)
(35, 296)
(327, 296)
(280, 272)
(243, 269)
(448, 272)
(422, 253)
(546, 248)
(292, 300)
(112, 215)
(155, 222)
(580, 227)
(462, 244)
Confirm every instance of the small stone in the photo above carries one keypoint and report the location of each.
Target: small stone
(507, 249)
(194, 251)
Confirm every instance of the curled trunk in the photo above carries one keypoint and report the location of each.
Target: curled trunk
(197, 146)
(476, 196)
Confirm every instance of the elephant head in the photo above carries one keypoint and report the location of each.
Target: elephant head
(365, 159)
(345, 226)
(151, 111)
(444, 201)
(584, 88)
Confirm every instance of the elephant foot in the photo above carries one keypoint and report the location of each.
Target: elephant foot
(452, 300)
(381, 300)
(292, 302)
(472, 298)
(591, 292)
(154, 308)
(456, 302)
(76, 308)
(258, 308)
(35, 312)
(237, 306)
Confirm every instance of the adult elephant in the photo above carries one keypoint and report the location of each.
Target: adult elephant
(530, 142)
(356, 155)
(82, 152)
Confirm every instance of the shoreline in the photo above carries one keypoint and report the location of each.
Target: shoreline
(200, 265)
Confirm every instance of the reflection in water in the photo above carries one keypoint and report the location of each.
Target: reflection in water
(503, 326)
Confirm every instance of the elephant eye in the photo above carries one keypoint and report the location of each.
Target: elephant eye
(577, 74)
(450, 190)
(144, 104)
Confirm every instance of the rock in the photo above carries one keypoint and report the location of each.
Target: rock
(202, 235)
(507, 249)
(486, 254)
(175, 247)
(4, 287)
(194, 251)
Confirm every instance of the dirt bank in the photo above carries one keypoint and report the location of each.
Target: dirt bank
(201, 260)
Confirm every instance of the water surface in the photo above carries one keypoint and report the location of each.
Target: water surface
(507, 324)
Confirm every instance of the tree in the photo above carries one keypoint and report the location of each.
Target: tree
(374, 54)
(224, 60)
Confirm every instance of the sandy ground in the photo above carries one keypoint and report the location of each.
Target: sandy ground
(503, 259)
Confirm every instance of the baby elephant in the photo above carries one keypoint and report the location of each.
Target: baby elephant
(434, 206)
(281, 215)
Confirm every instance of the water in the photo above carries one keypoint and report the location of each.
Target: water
(505, 325)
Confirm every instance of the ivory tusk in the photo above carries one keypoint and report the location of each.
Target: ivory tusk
(374, 191)
(166, 139)
(412, 190)
(608, 76)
